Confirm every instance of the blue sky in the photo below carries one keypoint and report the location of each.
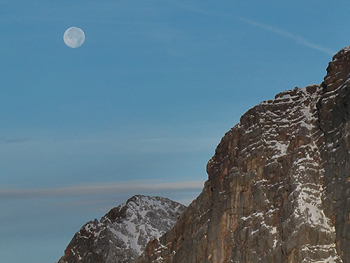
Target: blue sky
(141, 105)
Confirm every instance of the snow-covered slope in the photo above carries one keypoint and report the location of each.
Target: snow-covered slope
(122, 234)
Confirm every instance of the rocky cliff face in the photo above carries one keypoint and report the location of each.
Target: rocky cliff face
(122, 234)
(279, 184)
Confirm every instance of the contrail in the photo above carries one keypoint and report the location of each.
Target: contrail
(300, 40)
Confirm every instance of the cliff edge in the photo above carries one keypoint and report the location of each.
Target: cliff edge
(278, 187)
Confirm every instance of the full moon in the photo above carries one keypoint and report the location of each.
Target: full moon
(74, 37)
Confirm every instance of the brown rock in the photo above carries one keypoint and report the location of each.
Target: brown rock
(278, 184)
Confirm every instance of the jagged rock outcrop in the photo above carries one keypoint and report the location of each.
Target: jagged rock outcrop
(123, 233)
(279, 184)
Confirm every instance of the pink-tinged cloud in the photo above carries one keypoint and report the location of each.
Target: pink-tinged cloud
(132, 187)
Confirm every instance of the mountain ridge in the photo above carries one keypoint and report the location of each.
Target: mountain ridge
(278, 184)
(122, 233)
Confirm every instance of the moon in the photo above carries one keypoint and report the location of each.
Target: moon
(74, 37)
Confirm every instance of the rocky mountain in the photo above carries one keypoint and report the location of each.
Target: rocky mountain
(123, 233)
(278, 187)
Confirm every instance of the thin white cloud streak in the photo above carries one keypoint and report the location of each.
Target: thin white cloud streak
(300, 40)
(131, 187)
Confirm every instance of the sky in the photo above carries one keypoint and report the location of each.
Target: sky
(140, 107)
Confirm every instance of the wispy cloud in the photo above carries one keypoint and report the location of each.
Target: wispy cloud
(278, 31)
(17, 140)
(298, 39)
(131, 187)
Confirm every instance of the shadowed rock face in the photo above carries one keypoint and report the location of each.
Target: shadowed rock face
(122, 234)
(279, 184)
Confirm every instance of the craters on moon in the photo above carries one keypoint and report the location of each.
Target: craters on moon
(74, 37)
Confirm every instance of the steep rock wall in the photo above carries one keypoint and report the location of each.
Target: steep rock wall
(278, 184)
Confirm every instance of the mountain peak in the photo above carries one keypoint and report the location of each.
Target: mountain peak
(122, 234)
(338, 70)
(278, 184)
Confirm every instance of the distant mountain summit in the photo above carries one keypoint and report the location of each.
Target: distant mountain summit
(122, 234)
(278, 189)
